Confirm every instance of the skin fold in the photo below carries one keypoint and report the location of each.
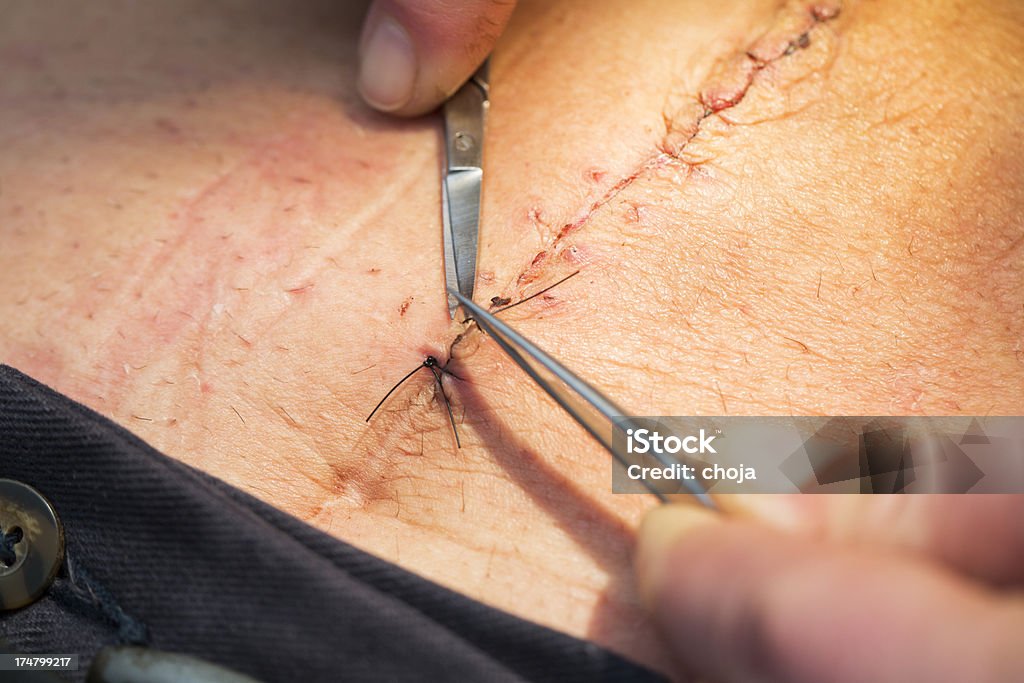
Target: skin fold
(775, 208)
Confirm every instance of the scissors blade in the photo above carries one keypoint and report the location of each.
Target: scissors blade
(588, 406)
(464, 119)
(461, 198)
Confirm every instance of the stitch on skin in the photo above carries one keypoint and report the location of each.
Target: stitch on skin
(436, 369)
(544, 291)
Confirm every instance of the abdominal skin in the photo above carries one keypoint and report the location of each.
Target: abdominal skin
(774, 208)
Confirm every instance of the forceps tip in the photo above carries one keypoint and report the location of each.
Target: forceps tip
(459, 299)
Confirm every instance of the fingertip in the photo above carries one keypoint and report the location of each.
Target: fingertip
(737, 601)
(415, 53)
(661, 531)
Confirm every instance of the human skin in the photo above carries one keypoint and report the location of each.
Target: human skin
(211, 240)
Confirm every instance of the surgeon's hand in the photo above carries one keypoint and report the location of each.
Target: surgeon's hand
(843, 589)
(413, 54)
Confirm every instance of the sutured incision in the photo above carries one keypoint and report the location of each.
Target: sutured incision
(436, 369)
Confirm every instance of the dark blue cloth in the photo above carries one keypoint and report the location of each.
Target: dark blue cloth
(162, 555)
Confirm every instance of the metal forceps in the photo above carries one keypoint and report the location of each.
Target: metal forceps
(588, 406)
(464, 117)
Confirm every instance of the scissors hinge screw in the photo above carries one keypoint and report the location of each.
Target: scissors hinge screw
(464, 142)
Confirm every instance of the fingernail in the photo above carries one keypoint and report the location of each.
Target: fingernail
(663, 527)
(387, 71)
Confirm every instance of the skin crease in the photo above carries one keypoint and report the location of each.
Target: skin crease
(209, 239)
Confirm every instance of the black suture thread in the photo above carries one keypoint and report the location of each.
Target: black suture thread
(447, 404)
(436, 369)
(392, 390)
(534, 296)
(431, 363)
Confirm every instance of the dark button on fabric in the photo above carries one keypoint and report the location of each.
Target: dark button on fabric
(31, 544)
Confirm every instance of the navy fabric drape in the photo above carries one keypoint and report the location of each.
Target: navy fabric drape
(164, 556)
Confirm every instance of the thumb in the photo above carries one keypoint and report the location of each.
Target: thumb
(739, 602)
(415, 53)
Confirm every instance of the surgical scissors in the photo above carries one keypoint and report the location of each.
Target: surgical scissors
(588, 406)
(464, 118)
